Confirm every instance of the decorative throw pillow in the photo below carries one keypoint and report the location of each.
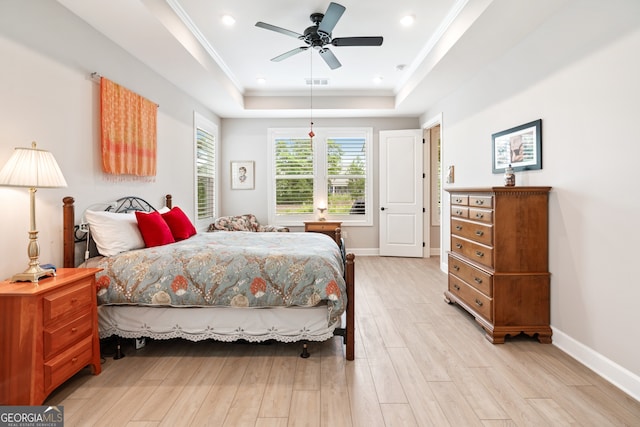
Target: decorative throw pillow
(114, 232)
(179, 224)
(154, 229)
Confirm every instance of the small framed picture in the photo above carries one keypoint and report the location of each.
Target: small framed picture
(520, 147)
(242, 175)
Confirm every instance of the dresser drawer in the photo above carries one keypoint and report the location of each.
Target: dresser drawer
(476, 300)
(458, 199)
(475, 277)
(459, 211)
(474, 251)
(480, 233)
(66, 364)
(58, 337)
(483, 215)
(68, 300)
(481, 201)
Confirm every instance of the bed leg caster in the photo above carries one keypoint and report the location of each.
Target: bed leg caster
(119, 353)
(305, 352)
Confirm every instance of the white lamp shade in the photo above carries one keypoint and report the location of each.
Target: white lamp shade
(31, 167)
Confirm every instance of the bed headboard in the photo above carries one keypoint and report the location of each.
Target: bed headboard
(72, 233)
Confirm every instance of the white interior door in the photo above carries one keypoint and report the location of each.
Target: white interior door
(401, 194)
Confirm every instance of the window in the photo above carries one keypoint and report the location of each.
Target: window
(332, 171)
(206, 136)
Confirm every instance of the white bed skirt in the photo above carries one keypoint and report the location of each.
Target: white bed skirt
(217, 323)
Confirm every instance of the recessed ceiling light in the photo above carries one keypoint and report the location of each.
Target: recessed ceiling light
(400, 67)
(228, 20)
(407, 20)
(261, 80)
(378, 79)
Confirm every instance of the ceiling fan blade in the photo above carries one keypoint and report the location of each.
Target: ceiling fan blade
(290, 53)
(357, 41)
(278, 30)
(331, 17)
(329, 58)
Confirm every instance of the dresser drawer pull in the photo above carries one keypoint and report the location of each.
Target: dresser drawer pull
(456, 287)
(479, 254)
(477, 280)
(458, 200)
(479, 202)
(458, 212)
(479, 233)
(479, 303)
(75, 359)
(459, 245)
(74, 300)
(479, 215)
(456, 267)
(74, 330)
(458, 227)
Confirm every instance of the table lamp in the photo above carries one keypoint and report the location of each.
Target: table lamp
(32, 168)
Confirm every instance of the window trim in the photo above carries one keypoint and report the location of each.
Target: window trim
(201, 122)
(320, 174)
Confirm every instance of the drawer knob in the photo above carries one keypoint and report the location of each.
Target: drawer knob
(477, 280)
(74, 360)
(456, 267)
(479, 202)
(479, 233)
(74, 330)
(456, 287)
(459, 245)
(479, 254)
(458, 212)
(458, 227)
(74, 300)
(458, 200)
(479, 215)
(479, 303)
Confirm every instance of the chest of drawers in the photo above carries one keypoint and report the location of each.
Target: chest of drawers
(48, 333)
(498, 262)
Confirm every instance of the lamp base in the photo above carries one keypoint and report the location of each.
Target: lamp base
(33, 274)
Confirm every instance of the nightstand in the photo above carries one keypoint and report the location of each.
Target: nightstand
(330, 228)
(48, 333)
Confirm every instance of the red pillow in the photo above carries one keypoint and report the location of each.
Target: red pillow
(179, 223)
(154, 229)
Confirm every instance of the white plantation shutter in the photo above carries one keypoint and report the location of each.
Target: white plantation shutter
(205, 146)
(332, 171)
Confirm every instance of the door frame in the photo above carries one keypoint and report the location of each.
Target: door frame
(426, 126)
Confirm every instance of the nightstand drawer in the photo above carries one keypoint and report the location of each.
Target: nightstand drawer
(321, 227)
(68, 300)
(60, 337)
(65, 365)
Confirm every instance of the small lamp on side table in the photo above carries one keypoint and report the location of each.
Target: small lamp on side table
(32, 168)
(321, 210)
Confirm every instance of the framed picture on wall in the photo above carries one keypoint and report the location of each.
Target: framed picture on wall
(242, 175)
(520, 147)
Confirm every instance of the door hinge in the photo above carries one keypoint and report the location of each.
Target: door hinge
(423, 141)
(423, 210)
(423, 244)
(424, 176)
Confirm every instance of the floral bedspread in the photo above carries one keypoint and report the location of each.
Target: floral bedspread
(229, 268)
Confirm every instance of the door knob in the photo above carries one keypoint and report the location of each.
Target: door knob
(382, 208)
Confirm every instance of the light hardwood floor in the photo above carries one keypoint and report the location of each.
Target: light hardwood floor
(419, 362)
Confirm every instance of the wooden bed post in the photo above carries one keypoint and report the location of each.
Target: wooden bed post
(68, 237)
(350, 327)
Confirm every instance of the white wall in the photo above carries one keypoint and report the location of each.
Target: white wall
(246, 139)
(46, 96)
(579, 73)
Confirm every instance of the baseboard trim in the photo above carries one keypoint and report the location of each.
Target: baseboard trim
(617, 375)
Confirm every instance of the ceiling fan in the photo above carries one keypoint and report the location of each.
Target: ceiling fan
(318, 36)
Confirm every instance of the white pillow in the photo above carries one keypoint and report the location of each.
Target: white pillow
(114, 232)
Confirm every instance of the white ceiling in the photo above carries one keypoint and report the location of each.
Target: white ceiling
(186, 42)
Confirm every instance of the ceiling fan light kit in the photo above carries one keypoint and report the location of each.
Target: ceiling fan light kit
(319, 35)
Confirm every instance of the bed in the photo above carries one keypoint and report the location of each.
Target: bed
(223, 285)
